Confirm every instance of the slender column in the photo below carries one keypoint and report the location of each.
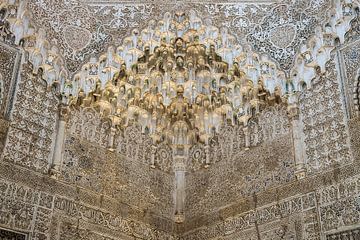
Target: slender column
(247, 137)
(111, 138)
(153, 154)
(59, 142)
(298, 141)
(180, 169)
(207, 156)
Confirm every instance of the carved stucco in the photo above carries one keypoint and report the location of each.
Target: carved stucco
(237, 172)
(31, 132)
(323, 114)
(324, 203)
(10, 57)
(337, 203)
(256, 24)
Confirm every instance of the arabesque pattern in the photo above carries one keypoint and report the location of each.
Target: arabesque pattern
(226, 121)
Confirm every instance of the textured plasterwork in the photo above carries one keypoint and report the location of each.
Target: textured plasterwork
(349, 60)
(6, 234)
(276, 29)
(48, 215)
(33, 124)
(25, 209)
(289, 217)
(317, 213)
(235, 172)
(10, 59)
(325, 127)
(307, 209)
(88, 164)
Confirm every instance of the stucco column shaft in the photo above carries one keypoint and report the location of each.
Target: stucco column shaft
(247, 137)
(298, 141)
(153, 155)
(111, 138)
(59, 141)
(207, 156)
(180, 184)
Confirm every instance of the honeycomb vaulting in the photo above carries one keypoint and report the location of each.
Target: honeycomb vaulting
(129, 120)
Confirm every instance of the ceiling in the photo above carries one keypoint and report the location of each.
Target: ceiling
(82, 28)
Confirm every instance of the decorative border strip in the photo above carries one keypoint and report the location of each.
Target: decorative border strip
(13, 235)
(14, 79)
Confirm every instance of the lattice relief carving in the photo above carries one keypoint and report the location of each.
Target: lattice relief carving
(11, 235)
(45, 216)
(110, 135)
(32, 129)
(237, 172)
(88, 163)
(10, 57)
(24, 209)
(349, 55)
(332, 211)
(326, 132)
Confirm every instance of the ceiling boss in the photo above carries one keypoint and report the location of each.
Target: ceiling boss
(180, 79)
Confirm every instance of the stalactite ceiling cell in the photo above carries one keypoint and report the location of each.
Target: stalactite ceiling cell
(179, 120)
(180, 79)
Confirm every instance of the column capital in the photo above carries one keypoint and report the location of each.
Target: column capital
(54, 171)
(179, 163)
(64, 112)
(300, 172)
(293, 112)
(179, 218)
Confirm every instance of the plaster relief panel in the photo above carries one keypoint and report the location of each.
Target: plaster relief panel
(230, 177)
(9, 69)
(325, 127)
(349, 60)
(25, 209)
(10, 235)
(339, 205)
(256, 23)
(87, 163)
(32, 129)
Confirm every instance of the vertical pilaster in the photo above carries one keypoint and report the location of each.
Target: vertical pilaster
(153, 155)
(298, 140)
(180, 170)
(59, 142)
(207, 156)
(111, 138)
(247, 137)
